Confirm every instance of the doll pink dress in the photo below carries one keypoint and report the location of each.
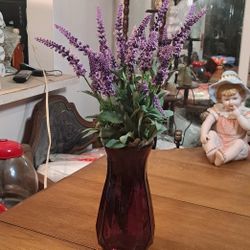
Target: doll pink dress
(228, 129)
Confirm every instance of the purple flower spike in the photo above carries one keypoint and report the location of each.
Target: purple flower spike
(146, 56)
(73, 61)
(100, 74)
(181, 36)
(73, 40)
(102, 39)
(101, 30)
(159, 18)
(144, 23)
(120, 39)
(157, 104)
(134, 43)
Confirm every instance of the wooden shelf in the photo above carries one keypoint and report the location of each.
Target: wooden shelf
(11, 91)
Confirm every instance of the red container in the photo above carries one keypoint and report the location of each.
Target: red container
(18, 178)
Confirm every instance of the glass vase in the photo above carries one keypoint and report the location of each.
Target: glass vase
(125, 218)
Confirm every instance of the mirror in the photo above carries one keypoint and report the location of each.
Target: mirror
(222, 29)
(216, 39)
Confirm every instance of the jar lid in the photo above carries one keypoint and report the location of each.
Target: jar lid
(10, 149)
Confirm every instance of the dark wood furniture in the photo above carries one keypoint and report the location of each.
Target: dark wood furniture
(126, 18)
(66, 125)
(170, 104)
(186, 89)
(196, 206)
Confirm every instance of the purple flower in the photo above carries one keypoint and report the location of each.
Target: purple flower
(181, 36)
(73, 40)
(157, 104)
(120, 39)
(134, 44)
(161, 14)
(146, 56)
(143, 88)
(104, 48)
(165, 55)
(132, 50)
(141, 28)
(101, 30)
(73, 61)
(100, 74)
(162, 75)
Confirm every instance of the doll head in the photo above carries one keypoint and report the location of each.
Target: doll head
(229, 85)
(230, 95)
(228, 90)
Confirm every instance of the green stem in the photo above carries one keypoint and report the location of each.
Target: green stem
(87, 82)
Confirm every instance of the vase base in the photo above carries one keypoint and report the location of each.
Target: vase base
(123, 243)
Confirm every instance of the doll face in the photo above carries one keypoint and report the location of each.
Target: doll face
(232, 100)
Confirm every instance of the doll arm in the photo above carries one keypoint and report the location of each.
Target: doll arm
(243, 120)
(205, 128)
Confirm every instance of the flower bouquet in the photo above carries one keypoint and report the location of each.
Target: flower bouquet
(128, 87)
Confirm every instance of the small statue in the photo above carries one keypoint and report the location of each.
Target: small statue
(227, 140)
(158, 4)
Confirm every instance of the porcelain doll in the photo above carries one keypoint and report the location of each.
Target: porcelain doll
(224, 131)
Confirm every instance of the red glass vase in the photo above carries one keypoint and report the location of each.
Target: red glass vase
(125, 219)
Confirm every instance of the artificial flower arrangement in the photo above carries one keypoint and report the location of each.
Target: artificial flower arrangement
(129, 87)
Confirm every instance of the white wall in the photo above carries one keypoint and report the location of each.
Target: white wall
(79, 16)
(137, 10)
(40, 24)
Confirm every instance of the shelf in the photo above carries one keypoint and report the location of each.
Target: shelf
(12, 92)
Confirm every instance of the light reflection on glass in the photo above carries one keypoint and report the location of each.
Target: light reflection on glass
(12, 172)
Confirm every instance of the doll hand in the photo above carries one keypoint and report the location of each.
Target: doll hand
(204, 139)
(235, 111)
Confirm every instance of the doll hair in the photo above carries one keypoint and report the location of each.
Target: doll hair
(229, 89)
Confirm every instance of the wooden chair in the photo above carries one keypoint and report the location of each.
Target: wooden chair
(67, 129)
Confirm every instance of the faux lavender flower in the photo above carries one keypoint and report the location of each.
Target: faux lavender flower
(73, 40)
(73, 60)
(120, 38)
(147, 54)
(181, 36)
(128, 87)
(104, 48)
(101, 31)
(161, 14)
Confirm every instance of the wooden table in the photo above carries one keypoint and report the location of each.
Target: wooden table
(196, 206)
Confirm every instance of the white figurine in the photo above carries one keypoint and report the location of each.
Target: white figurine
(224, 131)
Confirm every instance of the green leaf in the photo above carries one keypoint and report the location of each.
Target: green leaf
(113, 143)
(107, 132)
(89, 131)
(92, 116)
(141, 115)
(124, 138)
(168, 113)
(95, 95)
(110, 116)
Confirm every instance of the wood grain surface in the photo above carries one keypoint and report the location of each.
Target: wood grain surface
(13, 237)
(196, 205)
